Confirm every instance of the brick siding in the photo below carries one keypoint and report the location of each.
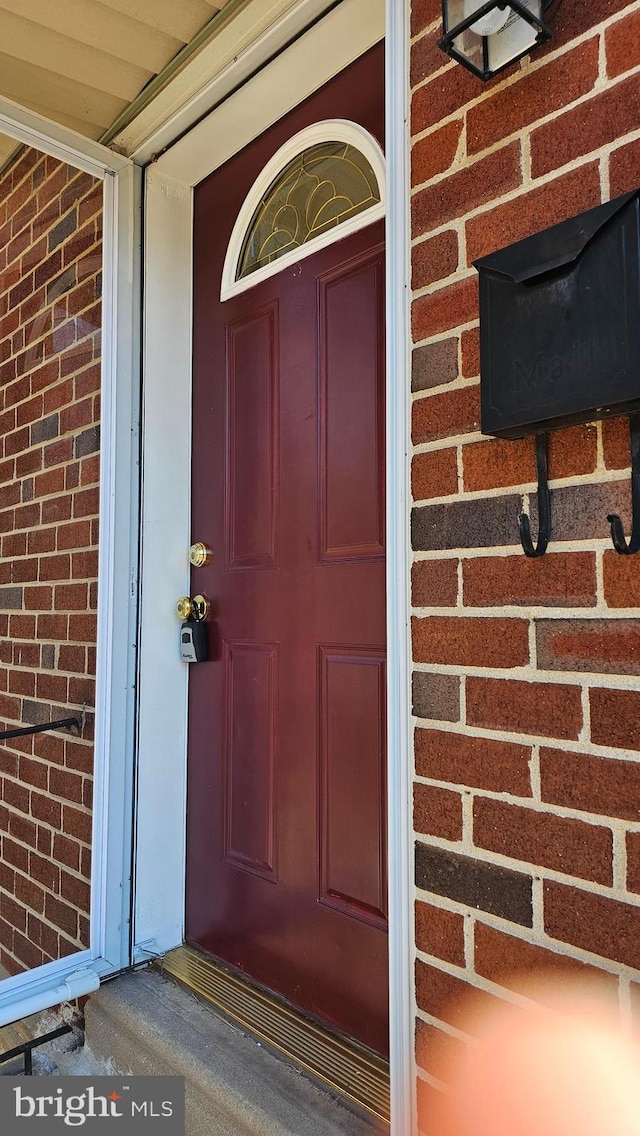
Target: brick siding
(525, 686)
(50, 278)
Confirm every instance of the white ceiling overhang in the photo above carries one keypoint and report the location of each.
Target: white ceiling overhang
(134, 74)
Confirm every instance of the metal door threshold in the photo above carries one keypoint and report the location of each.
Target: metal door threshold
(344, 1066)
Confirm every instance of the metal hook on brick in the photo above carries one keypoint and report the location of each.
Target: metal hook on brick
(544, 506)
(617, 531)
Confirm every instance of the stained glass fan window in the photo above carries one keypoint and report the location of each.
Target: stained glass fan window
(326, 184)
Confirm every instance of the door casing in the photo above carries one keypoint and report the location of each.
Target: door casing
(330, 45)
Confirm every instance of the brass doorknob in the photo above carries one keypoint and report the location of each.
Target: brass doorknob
(197, 608)
(199, 555)
(184, 608)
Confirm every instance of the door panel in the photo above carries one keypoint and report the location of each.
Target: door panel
(286, 870)
(250, 677)
(252, 424)
(351, 745)
(350, 321)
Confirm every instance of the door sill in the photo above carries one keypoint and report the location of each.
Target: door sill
(347, 1068)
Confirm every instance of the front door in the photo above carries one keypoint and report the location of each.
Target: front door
(286, 844)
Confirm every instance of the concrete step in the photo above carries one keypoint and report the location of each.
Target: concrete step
(145, 1023)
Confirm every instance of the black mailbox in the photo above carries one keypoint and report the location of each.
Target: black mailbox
(560, 339)
(560, 323)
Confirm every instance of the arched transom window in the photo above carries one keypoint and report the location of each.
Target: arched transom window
(324, 183)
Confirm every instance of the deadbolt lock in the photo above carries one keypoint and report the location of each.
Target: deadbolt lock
(199, 555)
(197, 608)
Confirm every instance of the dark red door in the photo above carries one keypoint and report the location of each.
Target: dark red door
(286, 864)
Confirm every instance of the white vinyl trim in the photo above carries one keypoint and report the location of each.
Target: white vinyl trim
(117, 573)
(111, 888)
(331, 130)
(329, 46)
(35, 130)
(76, 983)
(399, 710)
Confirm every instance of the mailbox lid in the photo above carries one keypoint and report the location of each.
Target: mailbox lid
(560, 323)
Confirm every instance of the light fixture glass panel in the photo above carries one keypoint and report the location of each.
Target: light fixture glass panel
(516, 37)
(471, 46)
(458, 10)
(325, 185)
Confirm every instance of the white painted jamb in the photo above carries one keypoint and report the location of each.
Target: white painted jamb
(166, 536)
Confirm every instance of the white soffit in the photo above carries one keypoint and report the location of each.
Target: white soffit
(82, 62)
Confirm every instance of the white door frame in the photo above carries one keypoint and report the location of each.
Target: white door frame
(109, 948)
(322, 52)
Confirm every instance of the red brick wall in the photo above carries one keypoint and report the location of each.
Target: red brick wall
(527, 793)
(50, 278)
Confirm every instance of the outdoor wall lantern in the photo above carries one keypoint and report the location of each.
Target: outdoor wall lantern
(485, 36)
(560, 342)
